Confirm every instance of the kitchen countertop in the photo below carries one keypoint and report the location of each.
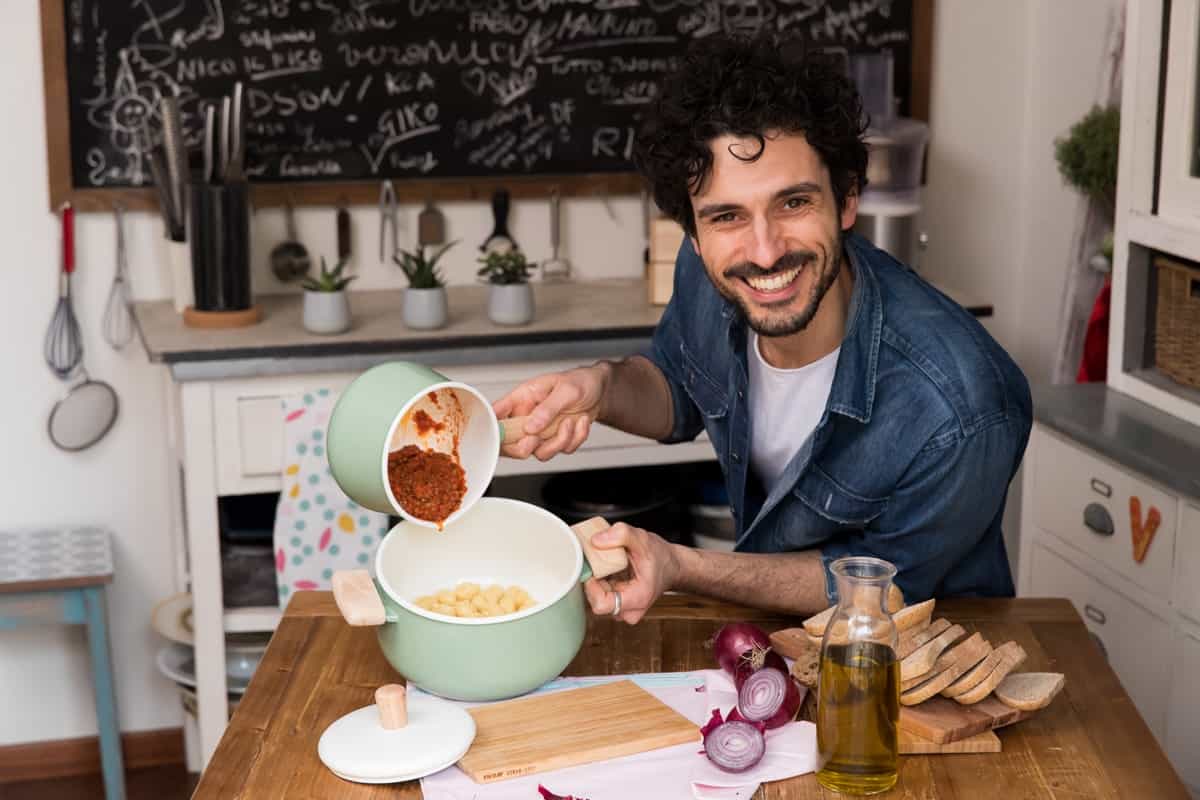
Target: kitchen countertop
(1125, 430)
(1090, 742)
(574, 320)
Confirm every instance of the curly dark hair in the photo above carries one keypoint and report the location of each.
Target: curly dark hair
(747, 87)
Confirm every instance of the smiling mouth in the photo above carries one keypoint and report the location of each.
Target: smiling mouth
(777, 282)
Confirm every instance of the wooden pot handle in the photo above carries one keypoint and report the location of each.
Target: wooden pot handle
(356, 597)
(603, 561)
(513, 428)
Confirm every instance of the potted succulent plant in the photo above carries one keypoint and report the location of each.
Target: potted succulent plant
(326, 307)
(510, 298)
(425, 298)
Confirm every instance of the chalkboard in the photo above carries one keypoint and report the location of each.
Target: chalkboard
(431, 93)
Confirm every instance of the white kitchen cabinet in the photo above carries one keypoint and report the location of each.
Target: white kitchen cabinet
(1183, 726)
(1124, 631)
(1144, 617)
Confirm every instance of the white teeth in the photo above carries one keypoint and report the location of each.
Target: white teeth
(773, 283)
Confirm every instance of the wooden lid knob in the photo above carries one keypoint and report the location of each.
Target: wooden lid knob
(393, 706)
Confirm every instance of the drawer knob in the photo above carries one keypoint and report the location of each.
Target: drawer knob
(1094, 614)
(1097, 518)
(1101, 488)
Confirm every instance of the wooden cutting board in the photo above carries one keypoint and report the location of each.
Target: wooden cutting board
(943, 720)
(576, 726)
(913, 745)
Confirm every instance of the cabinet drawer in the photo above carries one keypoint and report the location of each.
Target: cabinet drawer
(1183, 719)
(1125, 631)
(1074, 487)
(1185, 594)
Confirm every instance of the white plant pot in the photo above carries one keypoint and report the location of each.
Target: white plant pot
(425, 309)
(326, 312)
(510, 304)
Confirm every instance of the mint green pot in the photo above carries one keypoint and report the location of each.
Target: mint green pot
(365, 425)
(499, 541)
(482, 663)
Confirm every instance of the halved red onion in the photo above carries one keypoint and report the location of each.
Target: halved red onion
(735, 746)
(734, 640)
(755, 659)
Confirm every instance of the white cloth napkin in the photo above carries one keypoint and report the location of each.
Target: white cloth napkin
(681, 772)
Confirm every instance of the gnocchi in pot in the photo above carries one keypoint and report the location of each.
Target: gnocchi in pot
(472, 600)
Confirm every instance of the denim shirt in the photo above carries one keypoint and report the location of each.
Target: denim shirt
(925, 425)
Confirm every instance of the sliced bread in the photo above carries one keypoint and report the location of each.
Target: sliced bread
(922, 661)
(913, 616)
(815, 625)
(967, 654)
(913, 638)
(1030, 691)
(793, 642)
(1013, 657)
(973, 676)
(974, 647)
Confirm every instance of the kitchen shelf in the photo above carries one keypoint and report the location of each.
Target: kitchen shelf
(1165, 235)
(252, 619)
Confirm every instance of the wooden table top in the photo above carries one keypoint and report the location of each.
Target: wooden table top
(1090, 742)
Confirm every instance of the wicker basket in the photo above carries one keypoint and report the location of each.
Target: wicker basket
(1177, 321)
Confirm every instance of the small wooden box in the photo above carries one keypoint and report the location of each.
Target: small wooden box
(660, 278)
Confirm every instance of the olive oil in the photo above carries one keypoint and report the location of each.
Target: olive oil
(858, 711)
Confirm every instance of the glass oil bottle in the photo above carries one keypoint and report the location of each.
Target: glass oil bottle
(858, 690)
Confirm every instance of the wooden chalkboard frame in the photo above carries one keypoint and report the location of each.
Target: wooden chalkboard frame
(58, 147)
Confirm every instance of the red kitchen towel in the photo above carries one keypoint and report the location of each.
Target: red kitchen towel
(681, 772)
(1093, 366)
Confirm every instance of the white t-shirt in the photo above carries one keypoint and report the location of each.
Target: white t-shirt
(785, 407)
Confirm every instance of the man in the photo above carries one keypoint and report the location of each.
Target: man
(852, 407)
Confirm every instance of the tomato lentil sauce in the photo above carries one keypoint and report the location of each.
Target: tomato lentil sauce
(427, 484)
(426, 423)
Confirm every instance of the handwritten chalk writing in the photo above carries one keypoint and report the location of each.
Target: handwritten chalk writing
(413, 115)
(633, 93)
(189, 70)
(561, 111)
(315, 144)
(423, 163)
(470, 130)
(576, 24)
(284, 104)
(291, 62)
(406, 82)
(360, 21)
(270, 9)
(268, 39)
(542, 6)
(497, 23)
(887, 37)
(291, 167)
(606, 141)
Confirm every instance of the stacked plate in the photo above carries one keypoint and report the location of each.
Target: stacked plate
(172, 618)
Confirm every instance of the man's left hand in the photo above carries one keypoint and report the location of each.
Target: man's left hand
(653, 568)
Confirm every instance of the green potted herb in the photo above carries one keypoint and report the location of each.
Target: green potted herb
(1087, 161)
(425, 298)
(326, 307)
(510, 297)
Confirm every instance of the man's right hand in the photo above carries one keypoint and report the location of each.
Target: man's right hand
(574, 395)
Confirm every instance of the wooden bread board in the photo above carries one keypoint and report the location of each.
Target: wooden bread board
(564, 729)
(942, 720)
(913, 745)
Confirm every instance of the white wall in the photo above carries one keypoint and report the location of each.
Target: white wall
(1008, 77)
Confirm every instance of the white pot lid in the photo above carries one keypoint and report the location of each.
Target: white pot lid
(358, 748)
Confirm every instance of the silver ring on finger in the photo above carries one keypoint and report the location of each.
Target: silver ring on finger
(616, 612)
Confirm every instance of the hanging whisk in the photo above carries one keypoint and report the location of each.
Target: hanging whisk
(118, 319)
(63, 348)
